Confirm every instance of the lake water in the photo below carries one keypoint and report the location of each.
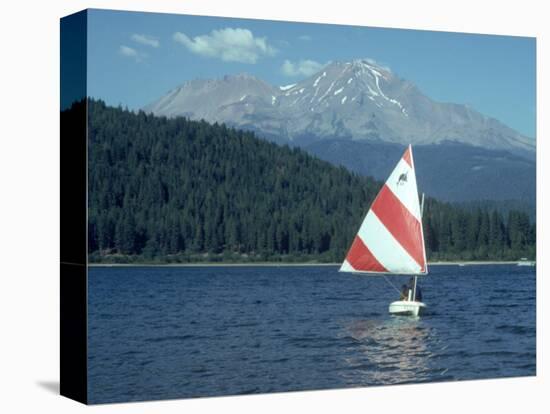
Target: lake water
(175, 332)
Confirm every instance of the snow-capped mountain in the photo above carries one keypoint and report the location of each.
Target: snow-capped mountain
(356, 100)
(361, 115)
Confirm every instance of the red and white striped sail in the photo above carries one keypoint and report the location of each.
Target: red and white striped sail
(391, 239)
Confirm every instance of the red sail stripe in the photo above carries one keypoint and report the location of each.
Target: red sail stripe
(407, 157)
(400, 223)
(361, 258)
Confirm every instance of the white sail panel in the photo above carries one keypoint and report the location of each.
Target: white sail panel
(402, 183)
(385, 248)
(346, 267)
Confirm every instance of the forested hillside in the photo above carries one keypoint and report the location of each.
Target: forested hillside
(174, 190)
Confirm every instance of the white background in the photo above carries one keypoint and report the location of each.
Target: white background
(29, 204)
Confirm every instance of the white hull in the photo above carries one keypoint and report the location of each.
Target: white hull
(407, 308)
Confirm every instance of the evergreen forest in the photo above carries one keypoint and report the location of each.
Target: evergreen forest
(178, 191)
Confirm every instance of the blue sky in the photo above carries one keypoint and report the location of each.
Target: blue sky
(134, 58)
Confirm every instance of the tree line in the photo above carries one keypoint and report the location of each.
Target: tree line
(176, 190)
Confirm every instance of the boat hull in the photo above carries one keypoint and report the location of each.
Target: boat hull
(407, 308)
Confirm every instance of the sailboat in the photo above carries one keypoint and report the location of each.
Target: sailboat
(390, 240)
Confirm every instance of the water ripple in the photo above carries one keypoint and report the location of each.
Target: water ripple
(158, 333)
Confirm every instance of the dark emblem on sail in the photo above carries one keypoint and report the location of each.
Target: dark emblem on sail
(402, 179)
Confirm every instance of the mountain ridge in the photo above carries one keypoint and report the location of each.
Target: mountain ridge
(357, 100)
(360, 115)
(447, 170)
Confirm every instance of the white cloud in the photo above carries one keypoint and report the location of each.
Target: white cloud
(229, 45)
(305, 38)
(129, 52)
(304, 67)
(145, 40)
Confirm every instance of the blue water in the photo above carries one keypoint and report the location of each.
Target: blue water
(157, 333)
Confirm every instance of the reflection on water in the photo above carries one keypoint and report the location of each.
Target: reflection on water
(390, 351)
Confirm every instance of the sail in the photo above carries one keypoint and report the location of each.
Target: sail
(391, 239)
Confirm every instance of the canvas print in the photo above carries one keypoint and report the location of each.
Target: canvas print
(253, 206)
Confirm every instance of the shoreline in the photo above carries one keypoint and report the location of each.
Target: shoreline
(285, 264)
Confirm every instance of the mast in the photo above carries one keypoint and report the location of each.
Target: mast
(416, 277)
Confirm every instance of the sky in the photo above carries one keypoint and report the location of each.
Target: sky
(135, 58)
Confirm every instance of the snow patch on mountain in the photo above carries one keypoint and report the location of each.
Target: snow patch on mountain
(318, 79)
(327, 91)
(372, 91)
(287, 87)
